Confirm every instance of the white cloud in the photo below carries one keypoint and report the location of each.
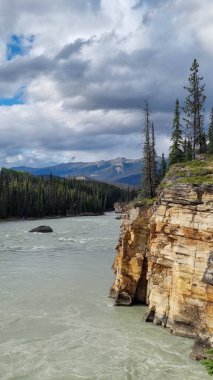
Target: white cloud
(91, 65)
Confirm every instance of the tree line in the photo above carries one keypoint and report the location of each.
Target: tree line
(23, 195)
(188, 137)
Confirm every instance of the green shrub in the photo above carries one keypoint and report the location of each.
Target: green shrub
(145, 202)
(208, 363)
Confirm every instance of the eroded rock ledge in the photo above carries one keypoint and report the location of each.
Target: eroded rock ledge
(164, 259)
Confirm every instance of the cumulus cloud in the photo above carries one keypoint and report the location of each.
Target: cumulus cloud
(87, 70)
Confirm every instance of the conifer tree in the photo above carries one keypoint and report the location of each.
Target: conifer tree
(194, 109)
(210, 134)
(149, 157)
(154, 173)
(204, 143)
(176, 152)
(163, 167)
(187, 150)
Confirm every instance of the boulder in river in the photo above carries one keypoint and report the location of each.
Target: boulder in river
(42, 229)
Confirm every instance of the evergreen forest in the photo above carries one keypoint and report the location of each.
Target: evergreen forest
(23, 195)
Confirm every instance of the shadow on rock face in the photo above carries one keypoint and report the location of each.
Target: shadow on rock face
(208, 275)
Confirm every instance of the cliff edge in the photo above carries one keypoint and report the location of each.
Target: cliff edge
(164, 257)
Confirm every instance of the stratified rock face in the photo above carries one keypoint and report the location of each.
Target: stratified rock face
(121, 207)
(131, 252)
(164, 259)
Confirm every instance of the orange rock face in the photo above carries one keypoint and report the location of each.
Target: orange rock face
(131, 253)
(164, 259)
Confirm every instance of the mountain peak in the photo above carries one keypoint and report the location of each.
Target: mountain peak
(118, 170)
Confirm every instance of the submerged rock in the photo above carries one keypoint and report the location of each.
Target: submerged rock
(123, 299)
(42, 229)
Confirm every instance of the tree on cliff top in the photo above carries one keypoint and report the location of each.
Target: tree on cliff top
(149, 172)
(176, 152)
(163, 168)
(210, 134)
(154, 173)
(187, 150)
(194, 110)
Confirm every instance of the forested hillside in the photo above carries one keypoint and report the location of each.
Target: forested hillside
(23, 195)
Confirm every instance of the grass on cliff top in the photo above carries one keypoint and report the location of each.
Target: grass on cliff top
(144, 202)
(196, 172)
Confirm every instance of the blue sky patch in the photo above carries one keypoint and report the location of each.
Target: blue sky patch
(18, 98)
(19, 45)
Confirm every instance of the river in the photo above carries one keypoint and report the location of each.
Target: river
(56, 320)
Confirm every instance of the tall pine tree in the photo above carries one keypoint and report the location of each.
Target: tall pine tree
(163, 167)
(176, 152)
(187, 150)
(194, 110)
(154, 172)
(148, 185)
(210, 134)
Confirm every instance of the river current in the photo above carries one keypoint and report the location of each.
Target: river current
(56, 320)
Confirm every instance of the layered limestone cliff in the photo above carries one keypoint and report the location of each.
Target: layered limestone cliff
(164, 259)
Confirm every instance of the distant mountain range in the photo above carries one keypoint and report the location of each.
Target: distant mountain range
(119, 170)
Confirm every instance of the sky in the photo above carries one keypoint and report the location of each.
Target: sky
(74, 75)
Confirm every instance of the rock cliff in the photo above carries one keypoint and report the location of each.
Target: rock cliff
(164, 259)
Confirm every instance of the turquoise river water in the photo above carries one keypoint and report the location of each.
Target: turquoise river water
(56, 320)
